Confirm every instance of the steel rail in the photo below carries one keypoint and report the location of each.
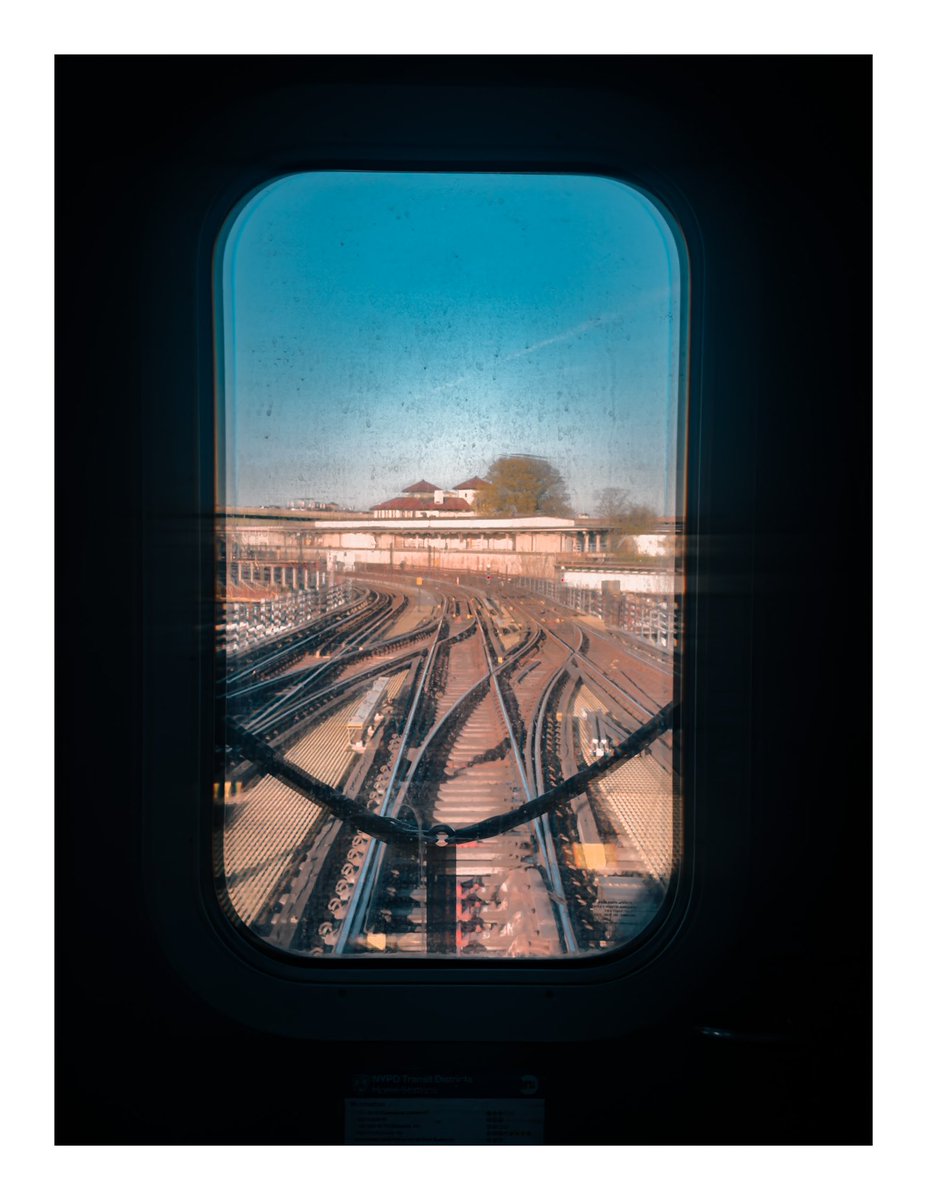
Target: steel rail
(453, 712)
(586, 824)
(235, 658)
(300, 679)
(345, 686)
(596, 669)
(262, 663)
(542, 833)
(367, 876)
(301, 673)
(260, 721)
(640, 651)
(432, 733)
(539, 823)
(391, 830)
(539, 720)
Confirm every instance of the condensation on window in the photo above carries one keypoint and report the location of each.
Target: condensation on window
(448, 583)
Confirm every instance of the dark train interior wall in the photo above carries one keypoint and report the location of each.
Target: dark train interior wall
(772, 157)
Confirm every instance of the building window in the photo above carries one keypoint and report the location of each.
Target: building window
(448, 583)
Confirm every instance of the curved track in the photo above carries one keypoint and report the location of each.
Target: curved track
(488, 704)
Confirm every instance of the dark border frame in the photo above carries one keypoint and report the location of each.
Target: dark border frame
(250, 981)
(774, 156)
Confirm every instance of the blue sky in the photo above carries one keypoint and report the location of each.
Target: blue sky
(381, 328)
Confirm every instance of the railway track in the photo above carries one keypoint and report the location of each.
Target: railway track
(273, 655)
(470, 765)
(368, 874)
(479, 693)
(291, 695)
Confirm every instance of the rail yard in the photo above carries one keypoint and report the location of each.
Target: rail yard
(440, 703)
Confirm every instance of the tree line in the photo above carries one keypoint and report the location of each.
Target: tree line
(525, 485)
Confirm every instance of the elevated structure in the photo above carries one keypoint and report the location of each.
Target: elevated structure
(424, 499)
(515, 546)
(543, 547)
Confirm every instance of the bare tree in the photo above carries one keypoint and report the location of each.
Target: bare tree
(622, 518)
(523, 485)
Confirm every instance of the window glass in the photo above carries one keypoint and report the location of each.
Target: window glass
(447, 570)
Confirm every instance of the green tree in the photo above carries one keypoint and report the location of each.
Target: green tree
(523, 485)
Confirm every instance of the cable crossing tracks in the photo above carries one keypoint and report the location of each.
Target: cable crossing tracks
(465, 814)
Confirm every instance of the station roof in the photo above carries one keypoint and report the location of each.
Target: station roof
(453, 523)
(471, 484)
(462, 519)
(454, 504)
(411, 504)
(422, 486)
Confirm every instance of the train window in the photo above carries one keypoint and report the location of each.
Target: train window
(451, 441)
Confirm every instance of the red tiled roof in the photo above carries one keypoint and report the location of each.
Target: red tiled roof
(410, 504)
(398, 502)
(422, 486)
(471, 484)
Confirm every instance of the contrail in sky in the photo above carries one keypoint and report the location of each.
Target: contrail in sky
(575, 331)
(604, 319)
(643, 300)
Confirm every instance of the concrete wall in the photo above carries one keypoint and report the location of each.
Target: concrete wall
(659, 582)
(354, 541)
(518, 547)
(656, 544)
(466, 562)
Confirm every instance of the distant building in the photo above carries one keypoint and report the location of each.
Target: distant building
(424, 499)
(304, 502)
(470, 488)
(423, 489)
(418, 506)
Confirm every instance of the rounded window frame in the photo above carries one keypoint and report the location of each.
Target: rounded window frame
(662, 929)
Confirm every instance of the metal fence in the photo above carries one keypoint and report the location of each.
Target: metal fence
(242, 624)
(653, 618)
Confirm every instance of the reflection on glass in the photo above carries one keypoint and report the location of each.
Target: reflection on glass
(447, 556)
